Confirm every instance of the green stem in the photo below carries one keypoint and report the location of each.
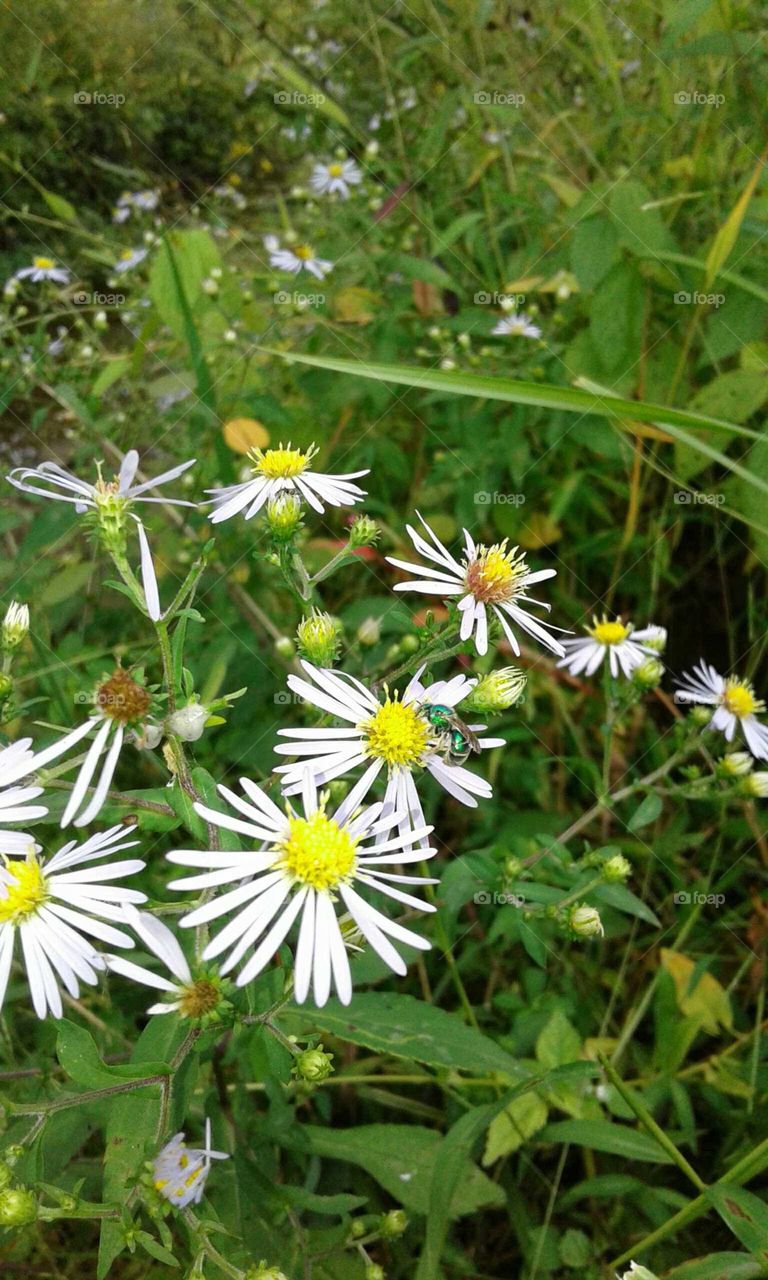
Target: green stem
(650, 1125)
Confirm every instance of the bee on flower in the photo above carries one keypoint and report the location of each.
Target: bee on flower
(308, 865)
(736, 705)
(55, 910)
(335, 178)
(43, 269)
(625, 648)
(284, 470)
(181, 1172)
(494, 578)
(296, 258)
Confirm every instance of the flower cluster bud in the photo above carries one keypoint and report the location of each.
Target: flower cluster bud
(648, 674)
(18, 1207)
(584, 921)
(393, 1223)
(284, 516)
(616, 870)
(313, 1065)
(496, 692)
(363, 532)
(318, 637)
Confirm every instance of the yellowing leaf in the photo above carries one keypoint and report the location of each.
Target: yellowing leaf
(510, 1128)
(244, 434)
(355, 305)
(728, 233)
(568, 192)
(707, 1001)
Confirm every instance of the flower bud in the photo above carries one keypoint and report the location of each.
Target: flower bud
(284, 647)
(701, 716)
(648, 674)
(18, 1207)
(409, 644)
(585, 922)
(313, 1065)
(14, 1153)
(496, 692)
(636, 1272)
(755, 785)
(264, 1272)
(374, 1272)
(318, 637)
(371, 149)
(100, 320)
(736, 764)
(616, 870)
(363, 532)
(369, 631)
(229, 335)
(357, 1228)
(284, 516)
(655, 638)
(188, 722)
(15, 625)
(393, 1223)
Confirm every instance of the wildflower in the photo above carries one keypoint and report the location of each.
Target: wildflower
(18, 1207)
(488, 577)
(497, 691)
(585, 921)
(15, 625)
(756, 785)
(301, 257)
(393, 734)
(52, 906)
(18, 761)
(43, 269)
(306, 864)
(648, 674)
(519, 326)
(119, 492)
(129, 259)
(735, 703)
(143, 201)
(284, 470)
(335, 178)
(190, 997)
(181, 1172)
(616, 870)
(318, 637)
(625, 648)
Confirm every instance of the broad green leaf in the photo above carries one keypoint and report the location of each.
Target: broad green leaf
(59, 207)
(80, 1058)
(559, 1042)
(194, 254)
(646, 812)
(641, 229)
(511, 1127)
(602, 1135)
(746, 1215)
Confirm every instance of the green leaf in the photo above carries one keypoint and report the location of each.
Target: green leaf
(613, 1139)
(718, 1266)
(80, 1058)
(746, 1215)
(511, 1127)
(183, 805)
(616, 316)
(646, 812)
(623, 899)
(641, 230)
(593, 250)
(401, 1158)
(389, 1022)
(559, 1042)
(194, 254)
(59, 207)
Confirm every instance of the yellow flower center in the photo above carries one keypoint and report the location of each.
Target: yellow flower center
(25, 893)
(281, 463)
(606, 632)
(44, 264)
(303, 251)
(397, 734)
(495, 574)
(335, 170)
(126, 254)
(199, 998)
(121, 698)
(318, 852)
(739, 698)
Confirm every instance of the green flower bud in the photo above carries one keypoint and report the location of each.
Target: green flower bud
(512, 867)
(363, 532)
(18, 1207)
(584, 921)
(393, 1223)
(284, 647)
(701, 716)
(357, 1228)
(313, 1065)
(755, 785)
(496, 692)
(409, 644)
(264, 1272)
(655, 638)
(735, 765)
(14, 1153)
(374, 1272)
(636, 1272)
(369, 631)
(616, 870)
(284, 516)
(648, 674)
(15, 625)
(318, 638)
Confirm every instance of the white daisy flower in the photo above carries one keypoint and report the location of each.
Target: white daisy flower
(397, 735)
(181, 1172)
(145, 201)
(129, 259)
(625, 647)
(117, 493)
(190, 997)
(735, 703)
(488, 577)
(43, 269)
(52, 906)
(519, 326)
(335, 178)
(304, 866)
(281, 470)
(299, 257)
(18, 761)
(120, 704)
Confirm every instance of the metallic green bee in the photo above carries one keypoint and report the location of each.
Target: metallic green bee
(453, 738)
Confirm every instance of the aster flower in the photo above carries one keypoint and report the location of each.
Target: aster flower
(117, 493)
(519, 325)
(189, 997)
(299, 257)
(43, 269)
(488, 577)
(18, 761)
(129, 259)
(393, 735)
(51, 907)
(335, 178)
(735, 702)
(626, 648)
(181, 1172)
(144, 201)
(285, 470)
(306, 864)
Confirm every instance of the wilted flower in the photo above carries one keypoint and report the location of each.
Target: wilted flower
(181, 1172)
